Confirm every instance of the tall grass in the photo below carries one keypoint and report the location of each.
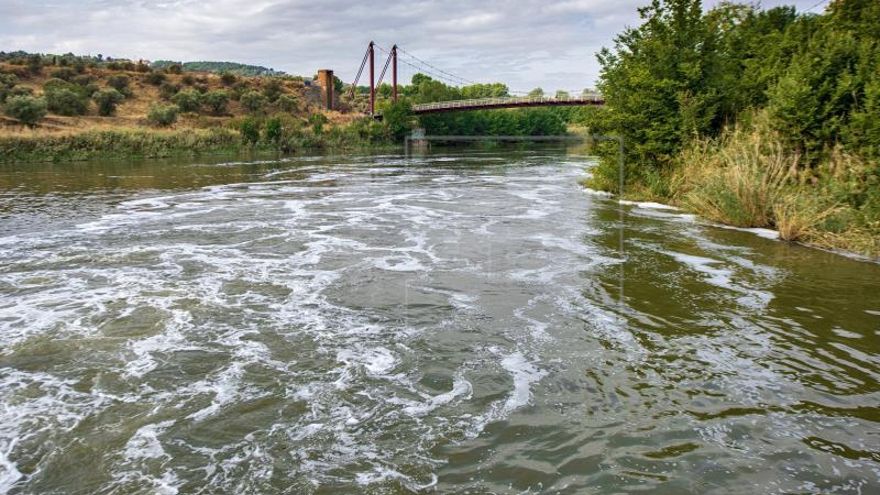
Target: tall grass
(747, 178)
(116, 143)
(737, 180)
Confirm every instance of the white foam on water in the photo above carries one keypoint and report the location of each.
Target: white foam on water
(145, 444)
(9, 473)
(460, 388)
(648, 205)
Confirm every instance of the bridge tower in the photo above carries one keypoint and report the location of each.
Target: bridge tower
(370, 57)
(325, 80)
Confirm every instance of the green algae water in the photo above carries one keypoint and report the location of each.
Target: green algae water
(459, 322)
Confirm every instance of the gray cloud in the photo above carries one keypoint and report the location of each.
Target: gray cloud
(524, 43)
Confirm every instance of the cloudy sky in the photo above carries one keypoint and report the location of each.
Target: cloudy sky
(524, 43)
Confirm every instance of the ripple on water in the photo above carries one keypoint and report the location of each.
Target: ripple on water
(449, 323)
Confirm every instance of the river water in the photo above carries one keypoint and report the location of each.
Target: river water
(459, 322)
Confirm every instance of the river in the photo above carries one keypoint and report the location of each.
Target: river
(459, 322)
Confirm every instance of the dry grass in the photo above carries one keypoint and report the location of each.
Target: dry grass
(736, 181)
(132, 112)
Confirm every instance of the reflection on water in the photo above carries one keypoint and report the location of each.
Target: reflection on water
(451, 323)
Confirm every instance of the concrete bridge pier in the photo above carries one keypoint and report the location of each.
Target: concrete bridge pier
(325, 80)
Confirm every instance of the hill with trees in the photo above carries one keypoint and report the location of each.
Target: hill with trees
(219, 67)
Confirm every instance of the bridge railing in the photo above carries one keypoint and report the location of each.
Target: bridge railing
(507, 100)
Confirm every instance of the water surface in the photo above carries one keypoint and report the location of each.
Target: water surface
(461, 322)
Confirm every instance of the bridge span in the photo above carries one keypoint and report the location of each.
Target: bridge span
(507, 102)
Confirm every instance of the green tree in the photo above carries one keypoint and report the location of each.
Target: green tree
(253, 101)
(288, 103)
(107, 100)
(63, 101)
(272, 130)
(121, 83)
(250, 131)
(162, 115)
(26, 109)
(188, 100)
(217, 101)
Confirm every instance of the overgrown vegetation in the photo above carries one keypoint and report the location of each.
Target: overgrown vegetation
(751, 117)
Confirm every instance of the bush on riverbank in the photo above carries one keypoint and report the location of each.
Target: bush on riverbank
(746, 178)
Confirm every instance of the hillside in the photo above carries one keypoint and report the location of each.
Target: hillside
(219, 67)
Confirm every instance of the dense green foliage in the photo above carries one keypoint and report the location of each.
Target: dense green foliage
(685, 74)
(25, 109)
(107, 99)
(216, 101)
(751, 117)
(188, 100)
(219, 67)
(253, 101)
(163, 115)
(65, 101)
(424, 89)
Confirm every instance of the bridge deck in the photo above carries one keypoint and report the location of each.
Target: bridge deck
(506, 102)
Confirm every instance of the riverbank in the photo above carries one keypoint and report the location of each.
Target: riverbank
(271, 134)
(746, 178)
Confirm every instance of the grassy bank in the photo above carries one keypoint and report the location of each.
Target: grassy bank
(747, 178)
(119, 143)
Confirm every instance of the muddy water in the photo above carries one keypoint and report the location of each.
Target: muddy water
(462, 322)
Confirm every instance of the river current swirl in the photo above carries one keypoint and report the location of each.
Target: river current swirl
(452, 323)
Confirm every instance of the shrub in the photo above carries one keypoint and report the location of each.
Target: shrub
(188, 100)
(272, 90)
(120, 83)
(288, 103)
(228, 78)
(217, 101)
(55, 84)
(188, 80)
(162, 115)
(174, 69)
(155, 78)
(35, 64)
(168, 90)
(253, 101)
(250, 131)
(318, 120)
(83, 80)
(738, 180)
(7, 82)
(107, 99)
(272, 130)
(21, 91)
(63, 101)
(26, 109)
(64, 73)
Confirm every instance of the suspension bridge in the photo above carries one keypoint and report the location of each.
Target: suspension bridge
(369, 63)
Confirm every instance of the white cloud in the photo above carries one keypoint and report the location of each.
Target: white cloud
(524, 43)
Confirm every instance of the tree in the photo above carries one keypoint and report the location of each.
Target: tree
(188, 100)
(163, 115)
(273, 130)
(107, 99)
(562, 95)
(272, 89)
(398, 119)
(250, 131)
(26, 109)
(536, 93)
(63, 101)
(216, 101)
(253, 101)
(120, 82)
(288, 103)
